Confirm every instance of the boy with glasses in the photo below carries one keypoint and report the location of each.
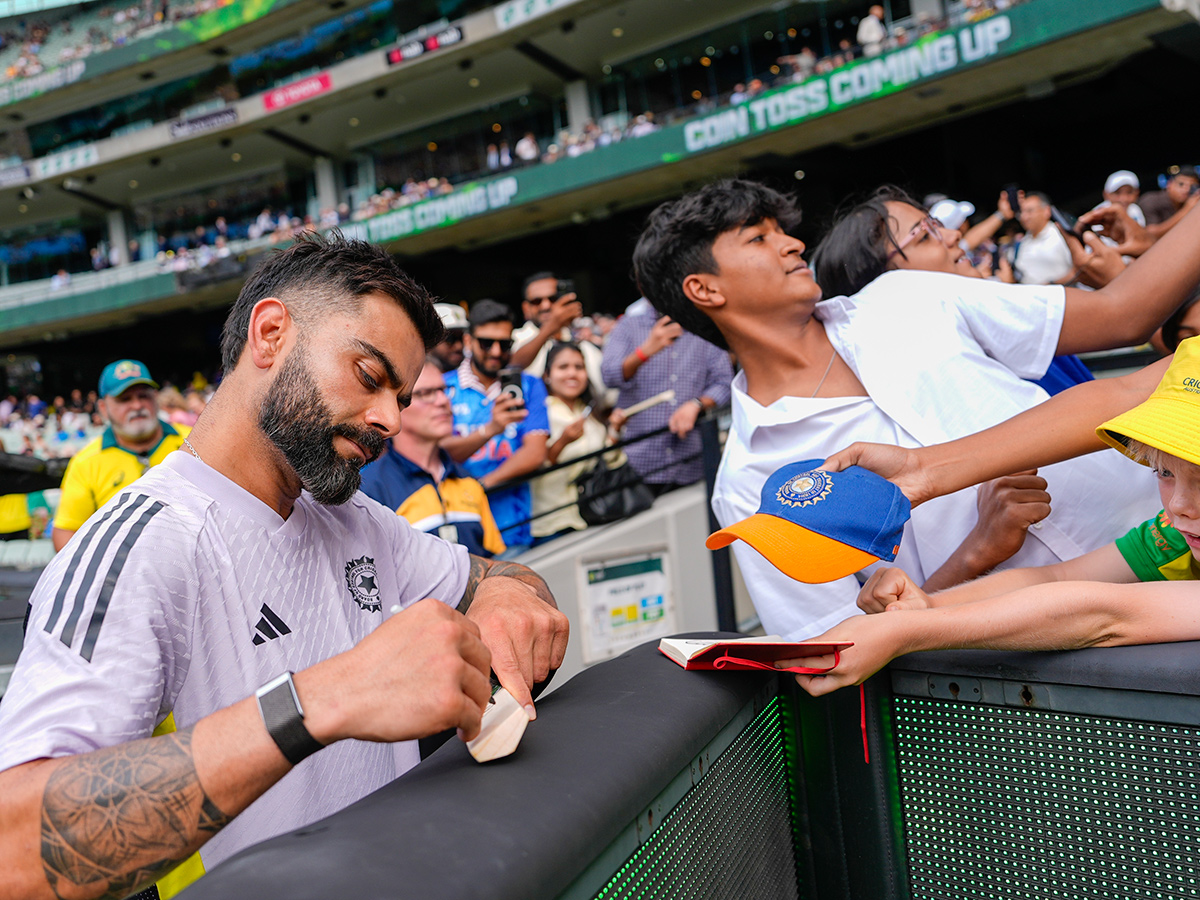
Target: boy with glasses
(496, 436)
(420, 481)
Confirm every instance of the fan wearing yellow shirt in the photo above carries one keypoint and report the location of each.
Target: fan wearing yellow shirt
(134, 440)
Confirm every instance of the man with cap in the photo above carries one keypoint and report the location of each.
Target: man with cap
(449, 352)
(134, 440)
(1126, 592)
(1122, 188)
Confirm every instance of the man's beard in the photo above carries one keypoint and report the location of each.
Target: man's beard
(136, 428)
(298, 422)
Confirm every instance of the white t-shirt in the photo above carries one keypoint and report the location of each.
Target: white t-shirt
(185, 593)
(942, 356)
(1044, 259)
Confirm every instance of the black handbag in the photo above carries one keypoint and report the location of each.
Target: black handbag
(611, 494)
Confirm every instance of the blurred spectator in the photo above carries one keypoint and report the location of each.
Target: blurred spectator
(60, 280)
(497, 436)
(605, 323)
(1042, 255)
(646, 355)
(527, 149)
(134, 440)
(1164, 209)
(576, 429)
(872, 32)
(1123, 188)
(15, 519)
(422, 483)
(449, 353)
(174, 407)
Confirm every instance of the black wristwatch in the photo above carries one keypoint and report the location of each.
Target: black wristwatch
(279, 706)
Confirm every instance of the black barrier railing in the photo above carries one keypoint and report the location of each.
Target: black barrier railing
(992, 775)
(708, 427)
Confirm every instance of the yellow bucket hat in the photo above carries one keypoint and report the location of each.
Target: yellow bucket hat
(1169, 419)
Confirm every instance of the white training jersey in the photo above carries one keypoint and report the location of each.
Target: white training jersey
(185, 593)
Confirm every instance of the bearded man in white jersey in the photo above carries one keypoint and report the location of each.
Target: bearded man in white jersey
(240, 643)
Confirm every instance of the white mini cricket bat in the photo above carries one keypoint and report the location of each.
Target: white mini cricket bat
(504, 722)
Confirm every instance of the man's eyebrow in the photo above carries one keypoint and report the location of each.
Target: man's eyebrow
(380, 357)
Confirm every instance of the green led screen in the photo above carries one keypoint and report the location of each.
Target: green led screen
(1028, 804)
(731, 835)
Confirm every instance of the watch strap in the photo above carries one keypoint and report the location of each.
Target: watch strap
(279, 705)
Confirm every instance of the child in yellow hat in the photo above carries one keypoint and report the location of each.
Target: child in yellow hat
(1127, 592)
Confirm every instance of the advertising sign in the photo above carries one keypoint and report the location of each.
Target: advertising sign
(424, 40)
(297, 91)
(186, 128)
(624, 602)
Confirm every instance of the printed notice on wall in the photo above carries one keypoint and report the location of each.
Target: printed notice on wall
(624, 602)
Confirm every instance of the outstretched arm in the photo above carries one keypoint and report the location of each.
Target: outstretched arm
(520, 623)
(1064, 426)
(1058, 616)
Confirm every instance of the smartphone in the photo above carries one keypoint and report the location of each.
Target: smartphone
(1014, 202)
(565, 286)
(510, 383)
(1066, 223)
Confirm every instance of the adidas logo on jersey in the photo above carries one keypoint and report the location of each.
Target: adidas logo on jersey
(269, 627)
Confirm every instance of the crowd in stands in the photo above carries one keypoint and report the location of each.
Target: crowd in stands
(185, 250)
(35, 45)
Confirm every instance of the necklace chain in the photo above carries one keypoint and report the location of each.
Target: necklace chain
(192, 449)
(820, 383)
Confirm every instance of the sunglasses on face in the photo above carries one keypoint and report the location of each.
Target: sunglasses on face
(927, 225)
(428, 395)
(486, 344)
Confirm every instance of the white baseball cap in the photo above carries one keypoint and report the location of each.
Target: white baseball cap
(1119, 179)
(952, 213)
(452, 316)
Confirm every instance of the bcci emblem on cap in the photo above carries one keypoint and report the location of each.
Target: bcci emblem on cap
(805, 489)
(812, 541)
(363, 581)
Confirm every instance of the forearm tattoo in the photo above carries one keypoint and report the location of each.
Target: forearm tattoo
(115, 820)
(490, 568)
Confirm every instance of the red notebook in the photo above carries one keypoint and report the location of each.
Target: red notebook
(745, 654)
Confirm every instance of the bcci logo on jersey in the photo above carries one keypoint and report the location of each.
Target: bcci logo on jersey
(363, 582)
(805, 489)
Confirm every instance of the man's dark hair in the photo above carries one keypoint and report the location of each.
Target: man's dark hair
(678, 240)
(317, 276)
(854, 252)
(485, 312)
(1038, 195)
(536, 276)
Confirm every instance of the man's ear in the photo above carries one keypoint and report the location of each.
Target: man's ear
(270, 324)
(703, 290)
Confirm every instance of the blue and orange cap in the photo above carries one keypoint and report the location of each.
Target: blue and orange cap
(817, 526)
